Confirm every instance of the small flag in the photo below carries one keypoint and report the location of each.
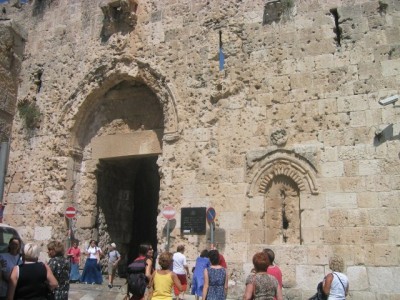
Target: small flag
(221, 53)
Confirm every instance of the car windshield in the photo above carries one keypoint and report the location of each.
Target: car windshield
(6, 233)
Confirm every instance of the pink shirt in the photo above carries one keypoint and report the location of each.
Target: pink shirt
(276, 272)
(76, 253)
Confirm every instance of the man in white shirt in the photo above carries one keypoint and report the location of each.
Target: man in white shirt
(181, 269)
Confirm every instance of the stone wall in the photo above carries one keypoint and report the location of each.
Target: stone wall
(11, 51)
(288, 142)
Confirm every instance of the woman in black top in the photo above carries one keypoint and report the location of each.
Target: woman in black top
(60, 267)
(32, 279)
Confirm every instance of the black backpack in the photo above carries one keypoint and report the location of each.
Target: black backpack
(137, 280)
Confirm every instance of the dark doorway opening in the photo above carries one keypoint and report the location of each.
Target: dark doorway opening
(127, 198)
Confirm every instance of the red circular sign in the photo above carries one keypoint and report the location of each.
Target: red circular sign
(70, 212)
(168, 212)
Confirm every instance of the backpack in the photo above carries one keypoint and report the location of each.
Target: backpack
(320, 295)
(137, 280)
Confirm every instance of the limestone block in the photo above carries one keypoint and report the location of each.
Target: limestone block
(257, 236)
(378, 279)
(318, 255)
(375, 235)
(328, 185)
(358, 277)
(389, 199)
(361, 295)
(122, 145)
(352, 103)
(26, 197)
(348, 217)
(332, 169)
(233, 189)
(357, 119)
(369, 167)
(312, 235)
(42, 233)
(390, 67)
(307, 277)
(352, 184)
(207, 174)
(350, 169)
(234, 236)
(394, 235)
(344, 200)
(253, 220)
(85, 221)
(384, 216)
(191, 190)
(232, 175)
(329, 154)
(378, 183)
(368, 70)
(234, 252)
(343, 236)
(386, 255)
(237, 203)
(314, 218)
(256, 204)
(55, 196)
(231, 220)
(298, 81)
(325, 61)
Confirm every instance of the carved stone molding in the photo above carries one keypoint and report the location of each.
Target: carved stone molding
(96, 84)
(281, 162)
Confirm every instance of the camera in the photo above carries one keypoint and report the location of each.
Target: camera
(389, 100)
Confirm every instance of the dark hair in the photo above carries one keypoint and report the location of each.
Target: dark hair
(15, 238)
(204, 253)
(165, 260)
(180, 248)
(271, 255)
(261, 261)
(143, 248)
(213, 255)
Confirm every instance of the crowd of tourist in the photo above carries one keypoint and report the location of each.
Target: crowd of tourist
(23, 276)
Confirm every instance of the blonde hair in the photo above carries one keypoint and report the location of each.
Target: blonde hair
(336, 264)
(31, 252)
(57, 246)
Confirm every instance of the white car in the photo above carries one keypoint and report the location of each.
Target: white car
(6, 233)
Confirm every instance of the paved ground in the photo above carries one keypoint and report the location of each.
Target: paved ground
(80, 291)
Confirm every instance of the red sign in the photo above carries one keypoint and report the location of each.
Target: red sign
(70, 212)
(168, 212)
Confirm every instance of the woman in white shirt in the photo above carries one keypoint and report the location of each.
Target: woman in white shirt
(92, 271)
(336, 284)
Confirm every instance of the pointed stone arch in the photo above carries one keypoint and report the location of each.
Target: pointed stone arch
(267, 166)
(108, 74)
(279, 179)
(91, 172)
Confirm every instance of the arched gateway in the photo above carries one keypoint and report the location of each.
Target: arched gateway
(119, 118)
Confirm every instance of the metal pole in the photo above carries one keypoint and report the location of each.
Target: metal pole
(167, 236)
(69, 233)
(212, 234)
(3, 167)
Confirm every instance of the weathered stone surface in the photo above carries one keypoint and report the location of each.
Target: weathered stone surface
(288, 143)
